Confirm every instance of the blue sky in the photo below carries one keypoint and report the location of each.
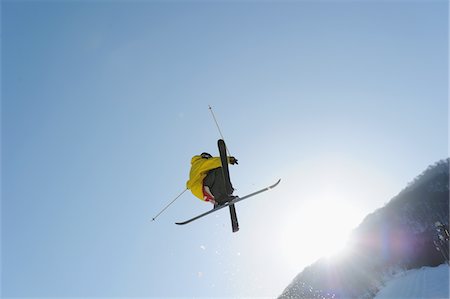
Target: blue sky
(104, 103)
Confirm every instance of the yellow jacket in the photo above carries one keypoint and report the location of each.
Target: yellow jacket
(199, 169)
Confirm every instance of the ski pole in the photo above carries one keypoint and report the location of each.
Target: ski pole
(154, 218)
(218, 127)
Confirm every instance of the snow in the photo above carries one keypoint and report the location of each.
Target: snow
(419, 283)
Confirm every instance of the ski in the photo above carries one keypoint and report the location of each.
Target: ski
(234, 220)
(232, 202)
(227, 183)
(225, 170)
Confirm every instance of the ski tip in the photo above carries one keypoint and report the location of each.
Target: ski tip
(274, 185)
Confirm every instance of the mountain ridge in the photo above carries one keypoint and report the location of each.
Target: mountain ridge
(396, 237)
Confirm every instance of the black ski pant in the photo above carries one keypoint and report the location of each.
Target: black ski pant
(216, 182)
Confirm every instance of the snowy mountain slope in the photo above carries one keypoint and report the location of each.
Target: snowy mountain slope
(397, 237)
(423, 283)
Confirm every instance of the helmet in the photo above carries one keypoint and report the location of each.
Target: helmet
(205, 156)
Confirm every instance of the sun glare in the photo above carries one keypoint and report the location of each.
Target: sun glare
(322, 229)
(325, 207)
(332, 224)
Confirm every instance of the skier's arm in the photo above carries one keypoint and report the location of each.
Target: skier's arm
(211, 163)
(215, 162)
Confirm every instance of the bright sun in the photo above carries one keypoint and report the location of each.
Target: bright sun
(322, 229)
(334, 222)
(325, 207)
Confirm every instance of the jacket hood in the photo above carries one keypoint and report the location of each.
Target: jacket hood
(195, 159)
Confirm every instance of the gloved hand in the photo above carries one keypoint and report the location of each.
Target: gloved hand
(233, 160)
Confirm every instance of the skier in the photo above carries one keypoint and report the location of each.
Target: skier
(206, 179)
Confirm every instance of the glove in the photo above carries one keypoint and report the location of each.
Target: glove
(233, 161)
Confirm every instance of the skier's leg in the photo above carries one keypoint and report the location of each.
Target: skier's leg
(218, 186)
(209, 179)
